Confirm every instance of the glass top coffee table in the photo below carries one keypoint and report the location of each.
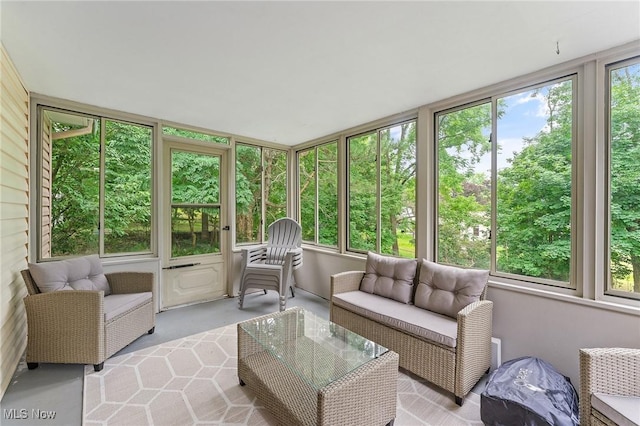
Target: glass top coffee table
(307, 370)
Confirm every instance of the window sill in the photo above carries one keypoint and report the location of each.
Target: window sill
(568, 298)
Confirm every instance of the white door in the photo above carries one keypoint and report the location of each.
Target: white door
(195, 224)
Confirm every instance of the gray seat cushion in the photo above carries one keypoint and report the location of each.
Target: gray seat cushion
(118, 304)
(623, 410)
(407, 318)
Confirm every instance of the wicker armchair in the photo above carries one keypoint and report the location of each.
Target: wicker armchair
(608, 372)
(74, 327)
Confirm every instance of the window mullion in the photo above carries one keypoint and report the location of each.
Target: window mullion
(101, 190)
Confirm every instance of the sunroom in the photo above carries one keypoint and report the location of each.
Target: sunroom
(166, 136)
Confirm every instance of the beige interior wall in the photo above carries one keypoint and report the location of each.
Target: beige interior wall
(14, 216)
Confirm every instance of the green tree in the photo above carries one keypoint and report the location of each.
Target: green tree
(625, 177)
(464, 192)
(534, 196)
(75, 186)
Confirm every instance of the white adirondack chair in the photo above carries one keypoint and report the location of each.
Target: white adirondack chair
(270, 266)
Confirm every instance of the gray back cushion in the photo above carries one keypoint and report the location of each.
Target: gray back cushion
(447, 289)
(81, 273)
(389, 277)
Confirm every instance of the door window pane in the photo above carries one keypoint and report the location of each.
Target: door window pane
(195, 203)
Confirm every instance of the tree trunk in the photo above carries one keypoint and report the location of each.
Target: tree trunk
(635, 263)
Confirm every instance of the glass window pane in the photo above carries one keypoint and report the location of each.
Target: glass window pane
(195, 178)
(194, 230)
(248, 193)
(167, 130)
(397, 189)
(624, 182)
(127, 188)
(535, 135)
(275, 184)
(195, 191)
(362, 192)
(307, 176)
(328, 194)
(70, 186)
(464, 187)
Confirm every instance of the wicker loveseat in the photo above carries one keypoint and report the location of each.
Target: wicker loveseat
(78, 315)
(609, 386)
(434, 316)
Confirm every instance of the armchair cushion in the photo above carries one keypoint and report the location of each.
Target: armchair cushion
(448, 289)
(389, 277)
(82, 273)
(118, 304)
(623, 410)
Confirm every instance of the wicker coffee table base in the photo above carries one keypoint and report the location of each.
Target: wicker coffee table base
(366, 395)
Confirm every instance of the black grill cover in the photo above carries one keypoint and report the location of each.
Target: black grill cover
(528, 391)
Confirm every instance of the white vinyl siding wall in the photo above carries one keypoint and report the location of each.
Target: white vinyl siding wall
(14, 209)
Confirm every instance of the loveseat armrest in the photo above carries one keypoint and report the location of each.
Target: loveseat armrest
(346, 281)
(473, 350)
(130, 282)
(614, 371)
(65, 326)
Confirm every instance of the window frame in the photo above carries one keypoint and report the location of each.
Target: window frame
(605, 291)
(315, 149)
(491, 98)
(41, 105)
(262, 229)
(378, 129)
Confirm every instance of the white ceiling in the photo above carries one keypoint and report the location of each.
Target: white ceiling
(289, 72)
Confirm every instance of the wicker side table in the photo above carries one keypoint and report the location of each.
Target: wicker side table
(308, 371)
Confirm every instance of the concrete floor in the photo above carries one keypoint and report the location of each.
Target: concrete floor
(57, 388)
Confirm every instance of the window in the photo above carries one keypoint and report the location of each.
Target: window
(381, 183)
(88, 203)
(190, 134)
(624, 179)
(318, 192)
(261, 190)
(524, 202)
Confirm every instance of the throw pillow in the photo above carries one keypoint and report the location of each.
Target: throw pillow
(389, 277)
(81, 273)
(448, 289)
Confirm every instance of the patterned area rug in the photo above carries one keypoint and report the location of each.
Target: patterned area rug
(193, 380)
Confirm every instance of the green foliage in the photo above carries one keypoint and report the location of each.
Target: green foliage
(75, 186)
(127, 186)
(395, 171)
(167, 130)
(625, 178)
(464, 207)
(534, 197)
(248, 193)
